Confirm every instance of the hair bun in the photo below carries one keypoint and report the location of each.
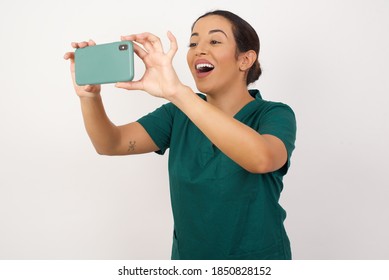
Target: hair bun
(254, 73)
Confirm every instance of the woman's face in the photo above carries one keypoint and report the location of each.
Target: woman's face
(212, 55)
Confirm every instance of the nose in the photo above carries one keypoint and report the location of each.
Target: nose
(201, 49)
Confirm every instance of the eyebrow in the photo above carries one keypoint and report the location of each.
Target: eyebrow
(210, 32)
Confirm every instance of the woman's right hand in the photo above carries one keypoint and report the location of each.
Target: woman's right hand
(82, 91)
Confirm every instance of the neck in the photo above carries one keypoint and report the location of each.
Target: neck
(230, 102)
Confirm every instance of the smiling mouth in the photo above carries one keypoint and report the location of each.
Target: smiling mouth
(204, 67)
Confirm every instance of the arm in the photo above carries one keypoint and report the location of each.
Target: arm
(255, 152)
(107, 138)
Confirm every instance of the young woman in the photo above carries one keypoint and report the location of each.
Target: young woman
(229, 148)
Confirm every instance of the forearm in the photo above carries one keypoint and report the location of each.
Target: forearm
(238, 141)
(102, 132)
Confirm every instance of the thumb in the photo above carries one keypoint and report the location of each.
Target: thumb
(173, 44)
(137, 85)
(70, 56)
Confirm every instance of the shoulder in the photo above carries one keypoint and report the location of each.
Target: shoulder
(275, 118)
(267, 108)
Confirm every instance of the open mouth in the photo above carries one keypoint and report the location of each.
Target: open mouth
(204, 67)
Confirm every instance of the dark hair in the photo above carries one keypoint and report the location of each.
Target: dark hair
(246, 39)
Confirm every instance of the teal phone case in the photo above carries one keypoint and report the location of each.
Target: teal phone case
(105, 63)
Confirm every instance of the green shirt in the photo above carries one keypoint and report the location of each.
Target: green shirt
(220, 210)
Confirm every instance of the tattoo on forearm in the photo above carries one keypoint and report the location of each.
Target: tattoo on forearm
(131, 146)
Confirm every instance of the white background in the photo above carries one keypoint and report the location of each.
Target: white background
(60, 200)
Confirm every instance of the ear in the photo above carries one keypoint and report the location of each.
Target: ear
(247, 59)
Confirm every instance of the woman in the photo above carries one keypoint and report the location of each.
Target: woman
(229, 149)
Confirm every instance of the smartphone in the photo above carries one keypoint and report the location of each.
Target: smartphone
(105, 63)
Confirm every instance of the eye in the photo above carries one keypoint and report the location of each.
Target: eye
(214, 42)
(191, 45)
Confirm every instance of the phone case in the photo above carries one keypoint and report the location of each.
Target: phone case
(105, 63)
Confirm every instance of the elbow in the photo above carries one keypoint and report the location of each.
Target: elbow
(105, 151)
(261, 165)
(102, 152)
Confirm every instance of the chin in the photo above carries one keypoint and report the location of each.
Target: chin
(203, 88)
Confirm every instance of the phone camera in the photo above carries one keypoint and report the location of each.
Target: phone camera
(123, 47)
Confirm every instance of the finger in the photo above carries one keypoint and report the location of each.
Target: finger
(139, 51)
(79, 44)
(149, 41)
(91, 42)
(83, 44)
(135, 38)
(173, 45)
(137, 85)
(142, 39)
(128, 37)
(155, 42)
(91, 88)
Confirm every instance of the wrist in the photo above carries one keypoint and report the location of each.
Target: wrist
(89, 96)
(180, 92)
(95, 97)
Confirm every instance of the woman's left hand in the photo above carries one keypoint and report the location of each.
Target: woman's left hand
(160, 78)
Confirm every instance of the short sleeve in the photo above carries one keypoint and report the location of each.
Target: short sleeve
(280, 121)
(158, 125)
